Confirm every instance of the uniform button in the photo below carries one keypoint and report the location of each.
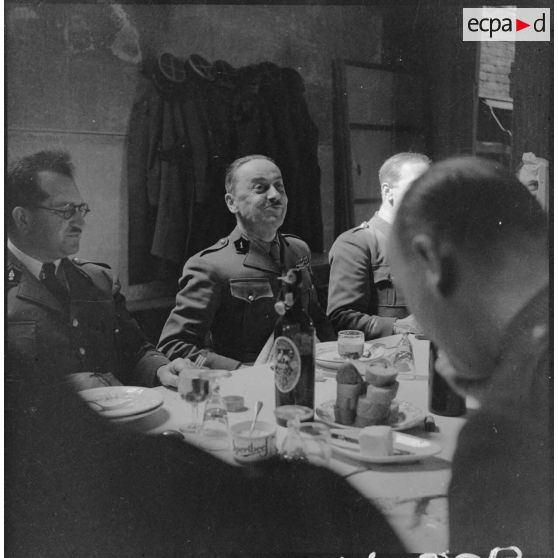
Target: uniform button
(75, 322)
(250, 298)
(81, 351)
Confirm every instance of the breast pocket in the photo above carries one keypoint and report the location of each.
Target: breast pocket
(21, 342)
(390, 302)
(251, 290)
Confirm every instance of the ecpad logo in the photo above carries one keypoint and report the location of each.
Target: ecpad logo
(506, 24)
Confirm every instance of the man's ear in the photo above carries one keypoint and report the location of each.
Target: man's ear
(231, 203)
(438, 262)
(386, 192)
(20, 217)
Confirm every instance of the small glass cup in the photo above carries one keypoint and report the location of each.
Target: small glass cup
(214, 434)
(350, 344)
(194, 389)
(403, 359)
(292, 448)
(316, 442)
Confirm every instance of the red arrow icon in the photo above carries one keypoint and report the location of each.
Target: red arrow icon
(519, 25)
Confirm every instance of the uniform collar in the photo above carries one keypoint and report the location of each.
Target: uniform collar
(33, 266)
(257, 253)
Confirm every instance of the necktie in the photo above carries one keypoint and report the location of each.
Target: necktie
(48, 279)
(275, 252)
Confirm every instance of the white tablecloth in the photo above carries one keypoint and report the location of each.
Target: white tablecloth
(412, 496)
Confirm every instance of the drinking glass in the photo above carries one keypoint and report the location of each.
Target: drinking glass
(316, 442)
(292, 448)
(214, 433)
(350, 344)
(194, 389)
(403, 359)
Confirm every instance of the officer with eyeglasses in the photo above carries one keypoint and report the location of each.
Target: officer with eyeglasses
(67, 319)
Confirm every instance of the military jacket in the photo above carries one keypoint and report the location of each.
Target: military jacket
(362, 294)
(47, 341)
(225, 303)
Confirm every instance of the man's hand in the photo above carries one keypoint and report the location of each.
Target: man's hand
(407, 325)
(168, 374)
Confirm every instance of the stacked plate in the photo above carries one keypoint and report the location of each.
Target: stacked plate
(122, 401)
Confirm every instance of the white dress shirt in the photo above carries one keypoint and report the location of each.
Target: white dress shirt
(33, 266)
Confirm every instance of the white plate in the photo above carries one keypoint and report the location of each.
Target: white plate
(122, 401)
(407, 448)
(328, 357)
(409, 416)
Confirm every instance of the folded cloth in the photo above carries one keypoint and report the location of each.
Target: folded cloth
(88, 380)
(266, 354)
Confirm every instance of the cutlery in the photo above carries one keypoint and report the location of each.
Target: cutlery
(257, 410)
(339, 436)
(111, 403)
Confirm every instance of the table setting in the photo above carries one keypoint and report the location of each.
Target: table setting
(233, 415)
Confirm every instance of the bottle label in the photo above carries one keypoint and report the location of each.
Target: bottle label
(286, 358)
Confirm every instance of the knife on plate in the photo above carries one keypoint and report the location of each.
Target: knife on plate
(339, 436)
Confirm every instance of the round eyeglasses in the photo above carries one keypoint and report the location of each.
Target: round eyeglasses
(67, 211)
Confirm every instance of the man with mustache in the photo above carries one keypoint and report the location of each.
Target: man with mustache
(224, 309)
(66, 316)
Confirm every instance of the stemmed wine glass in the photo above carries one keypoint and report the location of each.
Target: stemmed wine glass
(193, 388)
(214, 433)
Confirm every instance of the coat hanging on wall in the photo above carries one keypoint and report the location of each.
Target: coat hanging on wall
(189, 122)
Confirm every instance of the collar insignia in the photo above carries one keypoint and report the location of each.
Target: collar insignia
(242, 245)
(13, 275)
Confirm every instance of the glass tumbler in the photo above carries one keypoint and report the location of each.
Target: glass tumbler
(194, 390)
(350, 344)
(215, 433)
(316, 442)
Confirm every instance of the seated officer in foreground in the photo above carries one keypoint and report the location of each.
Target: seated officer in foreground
(362, 294)
(224, 309)
(77, 485)
(66, 316)
(470, 249)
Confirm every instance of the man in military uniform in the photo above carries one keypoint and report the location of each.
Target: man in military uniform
(224, 309)
(66, 316)
(361, 292)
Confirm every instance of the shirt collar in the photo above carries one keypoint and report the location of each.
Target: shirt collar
(33, 266)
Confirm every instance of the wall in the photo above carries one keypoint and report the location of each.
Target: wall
(306, 38)
(77, 95)
(66, 89)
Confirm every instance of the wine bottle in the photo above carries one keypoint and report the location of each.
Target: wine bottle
(293, 352)
(442, 400)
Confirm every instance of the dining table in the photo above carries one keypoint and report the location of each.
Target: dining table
(412, 495)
